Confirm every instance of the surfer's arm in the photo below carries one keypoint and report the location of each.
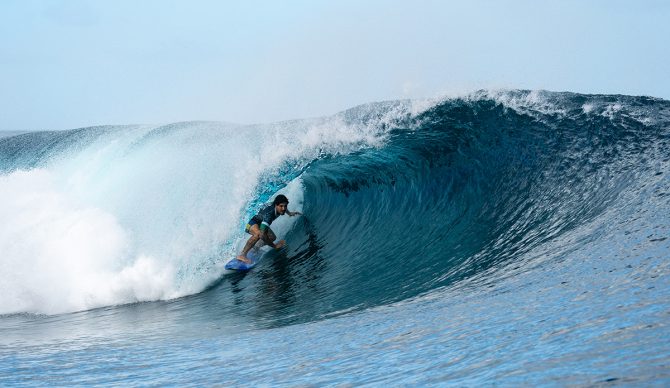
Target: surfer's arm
(268, 237)
(268, 240)
(291, 214)
(264, 235)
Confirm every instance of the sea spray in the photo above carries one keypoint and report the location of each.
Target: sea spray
(113, 215)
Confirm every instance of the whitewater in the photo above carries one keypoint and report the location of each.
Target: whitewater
(515, 237)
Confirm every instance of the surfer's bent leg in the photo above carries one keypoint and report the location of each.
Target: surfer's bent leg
(255, 233)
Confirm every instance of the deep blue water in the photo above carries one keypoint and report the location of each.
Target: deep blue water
(514, 238)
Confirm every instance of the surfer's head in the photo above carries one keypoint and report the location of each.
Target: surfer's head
(281, 198)
(281, 203)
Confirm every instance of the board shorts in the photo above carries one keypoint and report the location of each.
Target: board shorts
(252, 222)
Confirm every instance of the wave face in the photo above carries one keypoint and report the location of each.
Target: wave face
(400, 199)
(473, 185)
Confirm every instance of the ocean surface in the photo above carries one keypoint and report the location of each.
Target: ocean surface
(502, 237)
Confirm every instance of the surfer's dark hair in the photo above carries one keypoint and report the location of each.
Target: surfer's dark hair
(281, 198)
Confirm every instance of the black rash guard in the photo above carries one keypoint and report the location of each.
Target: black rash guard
(265, 217)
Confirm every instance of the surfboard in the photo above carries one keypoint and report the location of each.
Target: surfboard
(254, 255)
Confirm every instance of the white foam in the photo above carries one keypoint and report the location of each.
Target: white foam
(59, 255)
(530, 103)
(611, 110)
(588, 108)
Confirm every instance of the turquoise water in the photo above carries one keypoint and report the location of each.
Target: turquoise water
(505, 237)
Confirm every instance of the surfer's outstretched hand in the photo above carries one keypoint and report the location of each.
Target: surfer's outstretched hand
(280, 244)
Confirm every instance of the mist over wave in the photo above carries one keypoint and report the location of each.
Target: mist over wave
(400, 198)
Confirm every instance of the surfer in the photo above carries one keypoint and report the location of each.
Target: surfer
(259, 226)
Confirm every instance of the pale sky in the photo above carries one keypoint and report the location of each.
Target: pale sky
(68, 64)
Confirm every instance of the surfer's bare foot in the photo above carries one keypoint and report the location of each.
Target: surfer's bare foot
(243, 259)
